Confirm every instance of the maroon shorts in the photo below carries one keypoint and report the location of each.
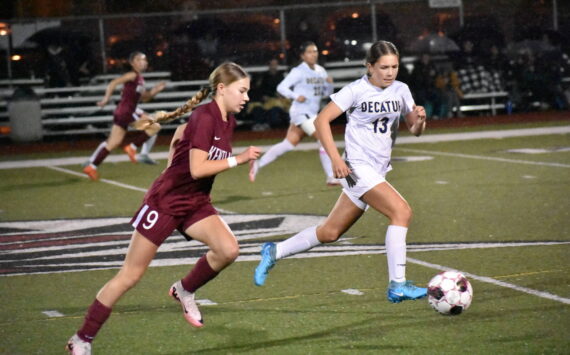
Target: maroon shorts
(157, 226)
(123, 120)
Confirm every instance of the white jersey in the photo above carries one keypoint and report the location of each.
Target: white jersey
(307, 82)
(370, 112)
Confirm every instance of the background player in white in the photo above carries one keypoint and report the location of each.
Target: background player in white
(372, 104)
(306, 85)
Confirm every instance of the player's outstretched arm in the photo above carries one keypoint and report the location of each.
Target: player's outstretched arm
(201, 167)
(148, 95)
(130, 76)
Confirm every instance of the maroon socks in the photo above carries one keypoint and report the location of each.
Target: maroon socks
(96, 315)
(140, 138)
(199, 275)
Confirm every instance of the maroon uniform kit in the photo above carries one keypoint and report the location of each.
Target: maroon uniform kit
(176, 200)
(126, 111)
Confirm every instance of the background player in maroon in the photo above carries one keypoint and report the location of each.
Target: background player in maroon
(180, 199)
(125, 114)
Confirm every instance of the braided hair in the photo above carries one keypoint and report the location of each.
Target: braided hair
(225, 73)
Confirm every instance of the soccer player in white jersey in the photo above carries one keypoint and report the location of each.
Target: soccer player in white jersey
(305, 85)
(372, 104)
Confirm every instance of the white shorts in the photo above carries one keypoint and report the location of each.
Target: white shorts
(367, 179)
(305, 122)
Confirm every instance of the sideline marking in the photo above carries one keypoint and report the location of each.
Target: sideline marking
(482, 157)
(490, 280)
(352, 291)
(206, 302)
(427, 138)
(526, 274)
(53, 314)
(116, 183)
(106, 181)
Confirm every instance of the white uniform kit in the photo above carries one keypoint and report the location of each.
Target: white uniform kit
(370, 113)
(307, 82)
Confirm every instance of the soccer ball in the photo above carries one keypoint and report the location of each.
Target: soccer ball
(450, 293)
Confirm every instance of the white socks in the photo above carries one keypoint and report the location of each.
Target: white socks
(93, 156)
(396, 252)
(275, 152)
(147, 145)
(302, 241)
(326, 162)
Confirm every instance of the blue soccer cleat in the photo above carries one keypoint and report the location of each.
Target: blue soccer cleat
(402, 291)
(266, 263)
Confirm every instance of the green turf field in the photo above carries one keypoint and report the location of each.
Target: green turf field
(462, 193)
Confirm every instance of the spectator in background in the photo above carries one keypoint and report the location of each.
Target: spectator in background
(208, 46)
(449, 93)
(497, 64)
(268, 108)
(57, 68)
(422, 82)
(551, 63)
(473, 75)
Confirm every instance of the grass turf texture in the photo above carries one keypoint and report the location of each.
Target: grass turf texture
(301, 310)
(297, 312)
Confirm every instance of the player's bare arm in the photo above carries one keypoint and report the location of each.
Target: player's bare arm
(201, 167)
(325, 136)
(416, 121)
(148, 95)
(130, 76)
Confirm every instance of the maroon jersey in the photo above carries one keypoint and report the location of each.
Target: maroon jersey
(130, 97)
(175, 192)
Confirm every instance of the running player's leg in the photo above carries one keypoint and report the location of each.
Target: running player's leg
(293, 137)
(327, 165)
(308, 126)
(152, 132)
(224, 249)
(140, 253)
(139, 138)
(103, 150)
(385, 199)
(343, 215)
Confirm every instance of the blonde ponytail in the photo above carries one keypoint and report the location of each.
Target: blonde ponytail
(163, 116)
(226, 73)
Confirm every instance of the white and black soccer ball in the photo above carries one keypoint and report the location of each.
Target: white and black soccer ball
(450, 293)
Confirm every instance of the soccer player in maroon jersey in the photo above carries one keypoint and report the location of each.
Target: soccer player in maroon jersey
(125, 114)
(180, 200)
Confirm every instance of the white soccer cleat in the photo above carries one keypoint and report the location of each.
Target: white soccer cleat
(253, 169)
(76, 346)
(191, 312)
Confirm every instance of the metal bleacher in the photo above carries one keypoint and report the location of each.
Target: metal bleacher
(73, 110)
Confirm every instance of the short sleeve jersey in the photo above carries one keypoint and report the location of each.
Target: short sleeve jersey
(370, 113)
(175, 192)
(304, 81)
(130, 96)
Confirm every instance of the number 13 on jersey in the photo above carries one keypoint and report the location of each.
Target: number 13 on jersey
(381, 125)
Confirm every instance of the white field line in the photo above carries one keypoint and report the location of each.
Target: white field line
(492, 281)
(342, 251)
(428, 138)
(499, 134)
(116, 183)
(106, 181)
(482, 157)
